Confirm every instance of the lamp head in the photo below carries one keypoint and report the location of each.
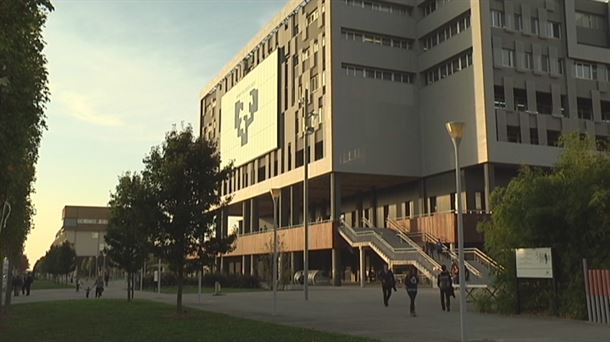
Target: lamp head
(455, 129)
(275, 193)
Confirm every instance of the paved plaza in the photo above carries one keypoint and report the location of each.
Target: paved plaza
(356, 311)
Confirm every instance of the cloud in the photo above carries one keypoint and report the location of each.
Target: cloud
(79, 106)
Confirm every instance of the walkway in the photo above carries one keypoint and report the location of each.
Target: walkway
(356, 311)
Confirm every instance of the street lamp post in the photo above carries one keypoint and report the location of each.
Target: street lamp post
(307, 130)
(275, 194)
(456, 132)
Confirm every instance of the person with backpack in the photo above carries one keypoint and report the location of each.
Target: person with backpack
(411, 282)
(387, 284)
(444, 283)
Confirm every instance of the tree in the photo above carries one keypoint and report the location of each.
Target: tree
(132, 213)
(24, 264)
(567, 209)
(23, 95)
(185, 177)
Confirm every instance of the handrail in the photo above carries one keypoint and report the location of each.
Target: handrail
(452, 254)
(290, 226)
(419, 254)
(366, 222)
(486, 258)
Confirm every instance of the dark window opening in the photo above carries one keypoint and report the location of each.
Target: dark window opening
(520, 96)
(564, 105)
(319, 151)
(605, 105)
(262, 174)
(534, 136)
(585, 108)
(499, 101)
(289, 158)
(275, 167)
(513, 133)
(299, 159)
(544, 103)
(553, 137)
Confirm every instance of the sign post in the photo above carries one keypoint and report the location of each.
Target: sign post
(534, 263)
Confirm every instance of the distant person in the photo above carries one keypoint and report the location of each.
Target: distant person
(23, 283)
(411, 282)
(106, 278)
(443, 281)
(99, 287)
(87, 290)
(387, 283)
(455, 272)
(27, 284)
(439, 248)
(17, 285)
(77, 284)
(466, 274)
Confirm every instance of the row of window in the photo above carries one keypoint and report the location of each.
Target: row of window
(430, 6)
(589, 71)
(508, 60)
(377, 38)
(446, 31)
(589, 20)
(553, 28)
(449, 67)
(377, 73)
(380, 6)
(544, 103)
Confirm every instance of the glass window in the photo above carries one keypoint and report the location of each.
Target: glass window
(529, 60)
(535, 27)
(518, 22)
(508, 57)
(554, 29)
(497, 18)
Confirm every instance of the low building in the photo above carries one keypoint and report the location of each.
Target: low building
(84, 227)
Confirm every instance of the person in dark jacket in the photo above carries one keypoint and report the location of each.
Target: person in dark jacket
(387, 284)
(27, 283)
(443, 281)
(411, 282)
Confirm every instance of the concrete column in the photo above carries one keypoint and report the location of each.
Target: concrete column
(245, 214)
(252, 264)
(335, 266)
(489, 178)
(222, 264)
(292, 215)
(253, 215)
(335, 212)
(374, 218)
(292, 265)
(243, 265)
(362, 271)
(421, 207)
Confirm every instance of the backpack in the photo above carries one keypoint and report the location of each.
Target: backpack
(444, 281)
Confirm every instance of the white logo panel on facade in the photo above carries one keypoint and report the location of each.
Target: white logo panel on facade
(249, 127)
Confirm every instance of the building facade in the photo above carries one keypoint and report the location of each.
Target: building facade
(85, 228)
(382, 78)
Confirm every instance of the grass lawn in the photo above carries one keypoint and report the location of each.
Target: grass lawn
(44, 284)
(117, 320)
(193, 289)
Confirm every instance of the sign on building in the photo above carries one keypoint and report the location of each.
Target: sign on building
(249, 117)
(534, 263)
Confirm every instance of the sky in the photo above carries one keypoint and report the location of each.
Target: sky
(121, 73)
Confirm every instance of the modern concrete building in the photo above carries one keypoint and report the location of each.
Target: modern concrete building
(85, 228)
(384, 77)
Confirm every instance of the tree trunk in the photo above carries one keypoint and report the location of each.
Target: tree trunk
(9, 285)
(179, 293)
(128, 286)
(1, 277)
(133, 283)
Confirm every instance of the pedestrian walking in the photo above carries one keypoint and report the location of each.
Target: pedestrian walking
(443, 281)
(106, 278)
(99, 287)
(17, 285)
(411, 282)
(455, 272)
(27, 283)
(439, 248)
(77, 284)
(87, 290)
(388, 282)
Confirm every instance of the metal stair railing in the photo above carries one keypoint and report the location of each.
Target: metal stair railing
(392, 254)
(473, 270)
(484, 259)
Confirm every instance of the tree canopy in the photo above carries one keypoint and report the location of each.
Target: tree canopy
(132, 218)
(566, 208)
(185, 177)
